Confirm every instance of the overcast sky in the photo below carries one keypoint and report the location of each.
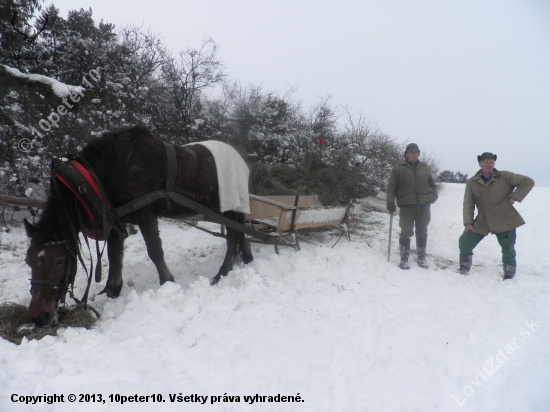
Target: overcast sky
(456, 77)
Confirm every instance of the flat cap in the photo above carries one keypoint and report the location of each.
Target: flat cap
(486, 155)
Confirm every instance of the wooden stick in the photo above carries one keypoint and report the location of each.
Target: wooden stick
(280, 205)
(389, 237)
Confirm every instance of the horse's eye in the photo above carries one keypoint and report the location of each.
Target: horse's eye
(60, 262)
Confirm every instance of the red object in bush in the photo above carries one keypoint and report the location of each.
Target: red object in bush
(321, 141)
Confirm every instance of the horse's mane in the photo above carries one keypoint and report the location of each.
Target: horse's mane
(99, 150)
(48, 223)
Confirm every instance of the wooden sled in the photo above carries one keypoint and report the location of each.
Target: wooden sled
(288, 214)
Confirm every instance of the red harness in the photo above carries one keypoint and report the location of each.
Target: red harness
(91, 182)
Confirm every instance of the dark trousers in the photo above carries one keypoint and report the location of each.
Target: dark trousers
(469, 240)
(414, 220)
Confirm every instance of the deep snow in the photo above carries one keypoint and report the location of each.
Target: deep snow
(341, 327)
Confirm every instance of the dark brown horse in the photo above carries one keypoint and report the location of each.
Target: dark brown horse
(129, 163)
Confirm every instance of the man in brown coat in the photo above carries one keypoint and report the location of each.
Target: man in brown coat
(493, 192)
(412, 185)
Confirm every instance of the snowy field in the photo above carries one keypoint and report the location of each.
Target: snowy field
(339, 327)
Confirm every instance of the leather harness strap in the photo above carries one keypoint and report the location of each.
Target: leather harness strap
(208, 213)
(221, 219)
(171, 167)
(140, 202)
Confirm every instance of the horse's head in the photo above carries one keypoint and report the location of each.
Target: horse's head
(53, 266)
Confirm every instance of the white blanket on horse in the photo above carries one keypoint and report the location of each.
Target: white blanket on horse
(232, 176)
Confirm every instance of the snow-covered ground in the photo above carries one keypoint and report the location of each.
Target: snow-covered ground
(339, 327)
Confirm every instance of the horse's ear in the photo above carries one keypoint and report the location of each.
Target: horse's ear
(29, 228)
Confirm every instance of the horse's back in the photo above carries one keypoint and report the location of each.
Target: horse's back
(131, 163)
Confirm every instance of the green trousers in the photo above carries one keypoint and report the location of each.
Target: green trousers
(469, 240)
(414, 220)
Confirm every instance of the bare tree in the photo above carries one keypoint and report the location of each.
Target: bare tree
(185, 79)
(428, 157)
(146, 49)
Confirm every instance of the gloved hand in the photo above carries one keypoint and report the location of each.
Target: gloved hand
(391, 207)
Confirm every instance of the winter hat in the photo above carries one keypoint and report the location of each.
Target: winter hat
(486, 155)
(411, 146)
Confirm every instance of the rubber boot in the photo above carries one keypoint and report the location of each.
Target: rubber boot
(509, 272)
(465, 262)
(404, 251)
(421, 252)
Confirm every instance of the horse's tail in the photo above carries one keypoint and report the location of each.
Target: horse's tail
(245, 252)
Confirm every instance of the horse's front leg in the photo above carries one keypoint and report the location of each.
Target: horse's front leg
(115, 253)
(150, 231)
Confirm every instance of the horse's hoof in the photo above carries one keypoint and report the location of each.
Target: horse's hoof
(170, 279)
(26, 329)
(215, 280)
(105, 290)
(112, 292)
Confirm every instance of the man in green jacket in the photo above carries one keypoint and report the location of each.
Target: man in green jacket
(493, 192)
(412, 185)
